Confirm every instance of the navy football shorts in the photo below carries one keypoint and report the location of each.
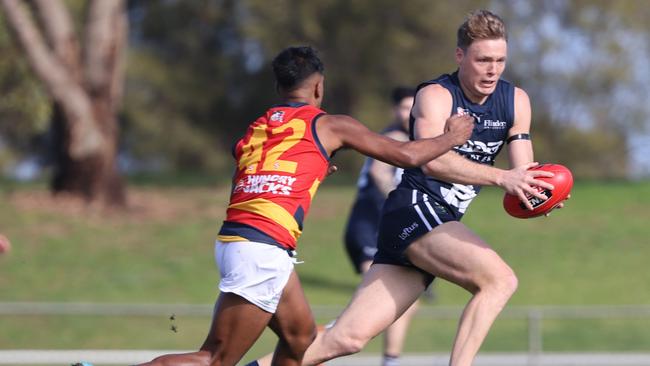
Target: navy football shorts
(361, 232)
(408, 214)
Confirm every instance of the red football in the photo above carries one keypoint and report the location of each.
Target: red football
(562, 181)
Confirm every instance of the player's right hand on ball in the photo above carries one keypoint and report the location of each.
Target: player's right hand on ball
(460, 126)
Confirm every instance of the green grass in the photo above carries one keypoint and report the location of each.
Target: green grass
(592, 252)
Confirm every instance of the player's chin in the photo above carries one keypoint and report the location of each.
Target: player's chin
(486, 90)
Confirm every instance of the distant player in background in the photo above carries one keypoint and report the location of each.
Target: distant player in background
(376, 180)
(279, 164)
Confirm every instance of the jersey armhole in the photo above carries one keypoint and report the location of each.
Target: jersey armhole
(316, 139)
(510, 102)
(411, 131)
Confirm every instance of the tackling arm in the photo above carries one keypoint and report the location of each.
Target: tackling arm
(337, 131)
(384, 174)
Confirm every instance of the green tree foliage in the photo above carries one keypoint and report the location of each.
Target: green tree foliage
(189, 94)
(198, 72)
(201, 69)
(24, 107)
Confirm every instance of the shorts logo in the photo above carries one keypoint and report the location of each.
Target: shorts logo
(406, 232)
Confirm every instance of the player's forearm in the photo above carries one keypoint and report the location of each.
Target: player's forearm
(411, 154)
(423, 151)
(454, 168)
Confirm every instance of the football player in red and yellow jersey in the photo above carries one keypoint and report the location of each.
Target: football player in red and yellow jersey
(280, 162)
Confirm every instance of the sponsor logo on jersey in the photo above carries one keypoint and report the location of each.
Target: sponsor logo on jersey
(462, 111)
(487, 123)
(277, 116)
(266, 183)
(407, 231)
(490, 124)
(479, 151)
(490, 147)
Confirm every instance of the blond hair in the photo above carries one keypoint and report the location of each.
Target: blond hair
(480, 24)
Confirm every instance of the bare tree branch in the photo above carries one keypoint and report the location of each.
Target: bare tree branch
(100, 43)
(121, 26)
(58, 28)
(86, 138)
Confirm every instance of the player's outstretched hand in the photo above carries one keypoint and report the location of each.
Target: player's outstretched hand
(520, 181)
(460, 126)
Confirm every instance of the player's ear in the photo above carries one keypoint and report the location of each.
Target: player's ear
(459, 55)
(319, 88)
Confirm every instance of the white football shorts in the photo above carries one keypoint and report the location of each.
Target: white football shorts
(255, 271)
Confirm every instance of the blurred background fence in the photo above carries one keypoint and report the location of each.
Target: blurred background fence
(533, 316)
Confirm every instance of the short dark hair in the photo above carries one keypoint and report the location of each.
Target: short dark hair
(400, 93)
(480, 24)
(295, 64)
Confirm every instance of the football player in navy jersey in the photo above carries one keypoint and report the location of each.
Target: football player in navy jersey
(421, 236)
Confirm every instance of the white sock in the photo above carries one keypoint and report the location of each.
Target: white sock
(390, 360)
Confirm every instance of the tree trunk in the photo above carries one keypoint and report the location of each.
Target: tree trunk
(86, 91)
(94, 177)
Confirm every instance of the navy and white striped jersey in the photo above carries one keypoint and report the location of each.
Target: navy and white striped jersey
(493, 119)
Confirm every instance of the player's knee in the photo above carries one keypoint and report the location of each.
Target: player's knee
(504, 284)
(306, 338)
(354, 345)
(350, 343)
(508, 281)
(299, 340)
(511, 283)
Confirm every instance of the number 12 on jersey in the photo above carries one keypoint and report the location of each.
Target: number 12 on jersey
(265, 146)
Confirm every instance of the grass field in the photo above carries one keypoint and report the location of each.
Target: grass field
(160, 251)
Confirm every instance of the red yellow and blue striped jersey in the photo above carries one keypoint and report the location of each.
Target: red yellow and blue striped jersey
(280, 164)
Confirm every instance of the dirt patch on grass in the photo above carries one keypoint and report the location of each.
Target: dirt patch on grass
(144, 204)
